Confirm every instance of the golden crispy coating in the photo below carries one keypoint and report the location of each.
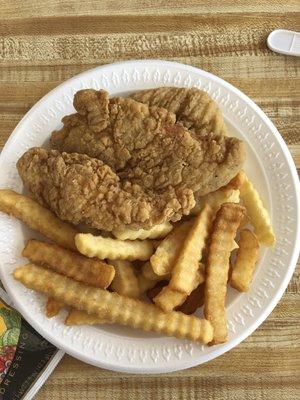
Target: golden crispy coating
(81, 189)
(136, 168)
(193, 107)
(144, 144)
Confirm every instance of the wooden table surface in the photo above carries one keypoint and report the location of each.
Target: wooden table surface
(227, 38)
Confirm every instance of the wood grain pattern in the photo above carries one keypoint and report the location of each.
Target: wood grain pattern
(45, 42)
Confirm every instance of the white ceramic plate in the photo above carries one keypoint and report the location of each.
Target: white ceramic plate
(269, 165)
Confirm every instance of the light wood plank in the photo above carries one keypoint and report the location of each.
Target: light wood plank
(45, 8)
(43, 43)
(127, 37)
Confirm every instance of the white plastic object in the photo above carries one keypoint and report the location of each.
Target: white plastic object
(284, 42)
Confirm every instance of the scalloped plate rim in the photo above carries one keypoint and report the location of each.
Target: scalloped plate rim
(233, 342)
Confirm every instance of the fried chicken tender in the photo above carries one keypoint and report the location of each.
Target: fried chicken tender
(193, 107)
(144, 145)
(81, 189)
(136, 168)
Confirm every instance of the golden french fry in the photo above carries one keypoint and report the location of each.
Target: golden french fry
(226, 223)
(226, 194)
(156, 232)
(257, 213)
(168, 298)
(53, 307)
(236, 182)
(125, 282)
(205, 250)
(116, 308)
(167, 251)
(246, 258)
(216, 199)
(114, 249)
(145, 283)
(191, 304)
(148, 273)
(66, 262)
(186, 267)
(77, 317)
(234, 197)
(37, 218)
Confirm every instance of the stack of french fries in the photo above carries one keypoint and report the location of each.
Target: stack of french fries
(103, 279)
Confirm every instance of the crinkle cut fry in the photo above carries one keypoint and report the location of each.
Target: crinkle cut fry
(246, 258)
(257, 213)
(193, 301)
(216, 199)
(148, 273)
(91, 272)
(37, 217)
(156, 232)
(168, 299)
(236, 182)
(226, 223)
(125, 282)
(229, 193)
(115, 249)
(118, 309)
(165, 255)
(187, 264)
